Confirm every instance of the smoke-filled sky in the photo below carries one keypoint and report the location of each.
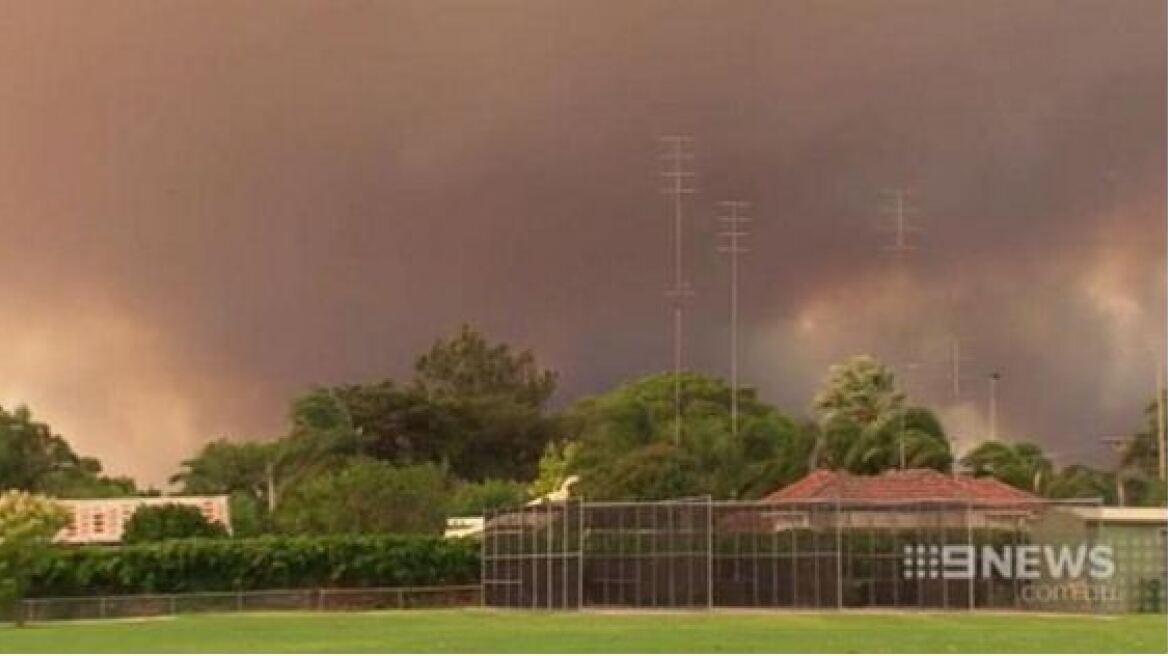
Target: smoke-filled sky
(208, 207)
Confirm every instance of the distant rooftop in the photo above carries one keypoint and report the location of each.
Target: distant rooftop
(900, 485)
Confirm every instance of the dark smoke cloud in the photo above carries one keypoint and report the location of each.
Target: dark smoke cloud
(208, 207)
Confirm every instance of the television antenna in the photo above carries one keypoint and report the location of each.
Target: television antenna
(734, 230)
(677, 172)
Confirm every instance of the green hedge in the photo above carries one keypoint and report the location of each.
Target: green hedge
(255, 564)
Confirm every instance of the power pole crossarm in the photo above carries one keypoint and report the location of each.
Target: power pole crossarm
(900, 227)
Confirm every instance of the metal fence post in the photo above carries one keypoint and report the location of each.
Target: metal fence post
(839, 570)
(564, 556)
(709, 551)
(973, 549)
(580, 560)
(547, 512)
(483, 559)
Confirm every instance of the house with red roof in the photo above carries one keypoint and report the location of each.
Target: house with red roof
(900, 498)
(901, 486)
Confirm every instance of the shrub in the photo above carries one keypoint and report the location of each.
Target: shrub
(169, 522)
(491, 494)
(249, 515)
(366, 496)
(255, 564)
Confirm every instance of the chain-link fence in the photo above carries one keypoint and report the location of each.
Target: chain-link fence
(1037, 555)
(325, 599)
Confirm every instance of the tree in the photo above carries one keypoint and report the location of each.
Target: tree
(625, 442)
(34, 459)
(1140, 464)
(323, 437)
(401, 424)
(1081, 482)
(28, 522)
(366, 496)
(169, 521)
(494, 399)
(1141, 455)
(864, 422)
(491, 494)
(249, 515)
(226, 467)
(877, 447)
(467, 366)
(552, 468)
(861, 391)
(87, 482)
(243, 470)
(1020, 464)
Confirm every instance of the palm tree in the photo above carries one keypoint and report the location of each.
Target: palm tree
(864, 423)
(860, 390)
(1020, 464)
(914, 430)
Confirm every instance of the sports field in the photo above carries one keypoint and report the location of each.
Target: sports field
(479, 630)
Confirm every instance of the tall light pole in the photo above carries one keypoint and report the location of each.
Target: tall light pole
(679, 177)
(734, 231)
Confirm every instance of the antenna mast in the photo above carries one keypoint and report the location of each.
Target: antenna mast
(900, 227)
(994, 378)
(679, 176)
(956, 359)
(734, 230)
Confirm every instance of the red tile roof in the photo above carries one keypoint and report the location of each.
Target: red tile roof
(900, 485)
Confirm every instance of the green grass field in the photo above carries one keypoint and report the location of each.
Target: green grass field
(480, 630)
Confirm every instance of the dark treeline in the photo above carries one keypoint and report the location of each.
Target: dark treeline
(472, 429)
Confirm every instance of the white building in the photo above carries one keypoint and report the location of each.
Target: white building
(103, 520)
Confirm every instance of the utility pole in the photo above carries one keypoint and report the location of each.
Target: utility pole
(270, 480)
(905, 368)
(734, 231)
(679, 176)
(994, 378)
(903, 464)
(900, 248)
(1160, 446)
(955, 359)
